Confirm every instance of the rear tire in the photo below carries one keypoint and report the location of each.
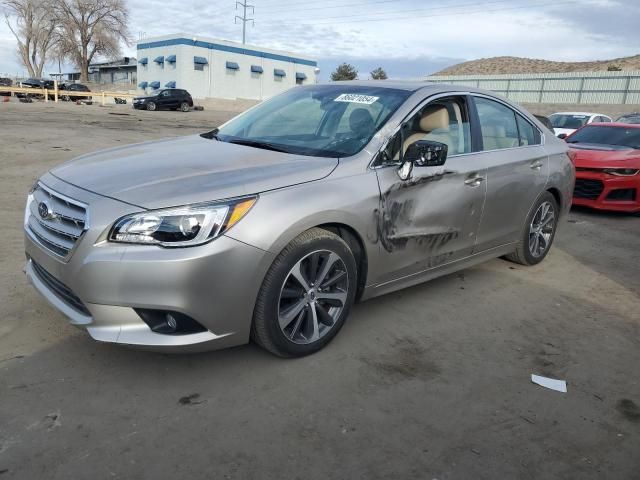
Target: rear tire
(538, 233)
(184, 107)
(151, 106)
(306, 295)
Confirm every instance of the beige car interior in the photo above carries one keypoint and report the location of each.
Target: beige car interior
(437, 124)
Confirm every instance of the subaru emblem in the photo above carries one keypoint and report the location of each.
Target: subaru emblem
(45, 211)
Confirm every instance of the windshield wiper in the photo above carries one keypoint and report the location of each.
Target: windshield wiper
(258, 144)
(212, 135)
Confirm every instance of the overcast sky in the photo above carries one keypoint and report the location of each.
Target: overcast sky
(408, 38)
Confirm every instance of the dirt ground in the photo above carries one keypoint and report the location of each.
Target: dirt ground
(430, 382)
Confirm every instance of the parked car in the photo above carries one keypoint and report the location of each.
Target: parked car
(565, 123)
(545, 121)
(630, 118)
(35, 83)
(271, 226)
(5, 82)
(65, 89)
(167, 99)
(607, 162)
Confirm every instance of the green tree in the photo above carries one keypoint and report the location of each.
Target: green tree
(345, 71)
(378, 74)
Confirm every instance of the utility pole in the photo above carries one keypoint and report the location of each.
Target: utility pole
(244, 18)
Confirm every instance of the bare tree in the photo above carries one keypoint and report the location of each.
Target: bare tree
(32, 24)
(89, 28)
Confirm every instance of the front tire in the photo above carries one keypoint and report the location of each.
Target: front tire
(306, 295)
(539, 232)
(151, 106)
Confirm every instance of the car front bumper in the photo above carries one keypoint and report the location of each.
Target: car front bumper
(215, 284)
(603, 191)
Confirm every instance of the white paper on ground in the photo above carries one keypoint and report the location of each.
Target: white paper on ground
(557, 385)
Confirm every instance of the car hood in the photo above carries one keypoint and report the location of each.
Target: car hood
(147, 97)
(187, 170)
(601, 156)
(567, 131)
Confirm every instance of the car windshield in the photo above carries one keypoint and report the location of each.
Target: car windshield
(561, 120)
(631, 119)
(319, 120)
(601, 135)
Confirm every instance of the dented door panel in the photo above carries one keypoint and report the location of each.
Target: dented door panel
(430, 219)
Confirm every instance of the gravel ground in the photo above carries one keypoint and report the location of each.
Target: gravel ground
(429, 382)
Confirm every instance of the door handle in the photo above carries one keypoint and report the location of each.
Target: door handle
(474, 181)
(537, 165)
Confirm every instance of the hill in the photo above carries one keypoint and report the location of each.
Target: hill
(503, 65)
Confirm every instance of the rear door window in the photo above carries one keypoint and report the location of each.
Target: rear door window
(497, 124)
(529, 135)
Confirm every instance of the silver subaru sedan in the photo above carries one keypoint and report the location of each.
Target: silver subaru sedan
(271, 226)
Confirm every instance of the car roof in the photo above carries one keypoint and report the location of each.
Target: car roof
(591, 114)
(614, 124)
(413, 86)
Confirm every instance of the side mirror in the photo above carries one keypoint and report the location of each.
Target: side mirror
(425, 153)
(562, 136)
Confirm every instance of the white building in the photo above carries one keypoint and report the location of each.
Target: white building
(218, 68)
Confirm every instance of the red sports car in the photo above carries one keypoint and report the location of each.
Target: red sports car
(607, 161)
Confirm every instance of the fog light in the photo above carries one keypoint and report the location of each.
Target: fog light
(169, 322)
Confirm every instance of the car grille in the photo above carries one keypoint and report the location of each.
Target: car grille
(63, 292)
(589, 189)
(59, 230)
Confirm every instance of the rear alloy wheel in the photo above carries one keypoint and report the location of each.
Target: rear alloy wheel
(184, 107)
(539, 232)
(306, 295)
(66, 98)
(151, 106)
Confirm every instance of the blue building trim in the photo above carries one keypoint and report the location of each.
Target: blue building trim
(143, 61)
(225, 48)
(170, 84)
(256, 69)
(233, 66)
(159, 59)
(170, 59)
(154, 85)
(200, 61)
(278, 72)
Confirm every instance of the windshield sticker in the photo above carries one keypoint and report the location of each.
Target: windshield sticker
(355, 98)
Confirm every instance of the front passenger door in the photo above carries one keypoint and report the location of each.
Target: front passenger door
(432, 218)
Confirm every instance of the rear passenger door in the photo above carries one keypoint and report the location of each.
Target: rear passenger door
(517, 169)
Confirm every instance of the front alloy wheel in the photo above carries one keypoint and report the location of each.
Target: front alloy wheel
(306, 295)
(151, 106)
(313, 296)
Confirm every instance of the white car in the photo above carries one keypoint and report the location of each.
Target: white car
(568, 122)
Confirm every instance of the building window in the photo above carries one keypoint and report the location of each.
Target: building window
(300, 78)
(198, 66)
(232, 66)
(279, 73)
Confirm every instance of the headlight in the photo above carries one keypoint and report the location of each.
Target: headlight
(622, 172)
(182, 226)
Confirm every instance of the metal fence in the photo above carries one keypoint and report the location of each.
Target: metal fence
(615, 88)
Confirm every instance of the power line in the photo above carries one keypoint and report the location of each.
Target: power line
(244, 18)
(413, 10)
(324, 7)
(445, 14)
